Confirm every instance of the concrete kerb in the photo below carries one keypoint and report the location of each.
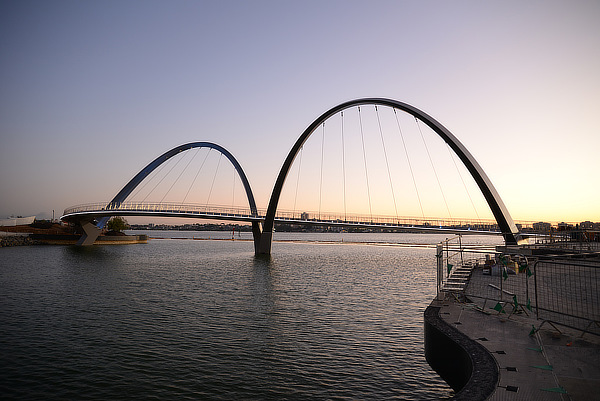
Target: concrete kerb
(462, 362)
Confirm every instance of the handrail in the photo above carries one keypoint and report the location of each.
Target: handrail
(284, 216)
(156, 207)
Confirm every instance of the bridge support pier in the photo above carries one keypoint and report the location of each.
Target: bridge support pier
(90, 233)
(257, 234)
(263, 247)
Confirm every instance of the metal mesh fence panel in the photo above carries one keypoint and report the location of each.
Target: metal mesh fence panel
(567, 293)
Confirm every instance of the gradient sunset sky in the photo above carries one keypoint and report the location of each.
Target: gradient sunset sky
(90, 92)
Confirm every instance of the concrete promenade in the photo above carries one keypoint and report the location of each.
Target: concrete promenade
(544, 366)
(530, 359)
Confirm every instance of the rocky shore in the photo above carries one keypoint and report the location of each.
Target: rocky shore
(16, 240)
(8, 239)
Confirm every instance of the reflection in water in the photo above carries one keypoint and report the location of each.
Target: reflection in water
(207, 319)
(262, 286)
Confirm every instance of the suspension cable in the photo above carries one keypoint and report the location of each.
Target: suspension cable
(161, 180)
(298, 177)
(463, 181)
(343, 166)
(321, 179)
(147, 180)
(409, 164)
(386, 161)
(433, 167)
(196, 176)
(362, 137)
(179, 176)
(233, 189)
(214, 177)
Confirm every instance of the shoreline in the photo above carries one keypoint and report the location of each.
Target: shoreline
(22, 239)
(12, 239)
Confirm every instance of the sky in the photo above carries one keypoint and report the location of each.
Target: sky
(90, 92)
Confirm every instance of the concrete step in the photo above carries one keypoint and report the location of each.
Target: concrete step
(453, 288)
(462, 274)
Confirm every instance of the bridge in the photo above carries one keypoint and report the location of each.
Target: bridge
(228, 213)
(93, 217)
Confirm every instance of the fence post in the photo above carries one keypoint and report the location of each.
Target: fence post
(440, 265)
(462, 262)
(535, 283)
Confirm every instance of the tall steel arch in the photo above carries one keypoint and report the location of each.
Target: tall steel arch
(139, 177)
(505, 222)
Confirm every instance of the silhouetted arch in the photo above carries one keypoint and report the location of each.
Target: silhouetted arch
(505, 222)
(135, 181)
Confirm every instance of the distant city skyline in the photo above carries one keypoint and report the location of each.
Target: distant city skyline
(91, 92)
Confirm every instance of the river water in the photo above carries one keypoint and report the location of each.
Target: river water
(205, 319)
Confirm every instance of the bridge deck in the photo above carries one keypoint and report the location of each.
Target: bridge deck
(211, 212)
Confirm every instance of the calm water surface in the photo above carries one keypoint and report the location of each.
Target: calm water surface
(184, 319)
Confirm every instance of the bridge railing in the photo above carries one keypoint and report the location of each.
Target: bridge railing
(284, 216)
(383, 220)
(160, 207)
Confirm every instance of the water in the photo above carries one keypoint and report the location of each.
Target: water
(183, 319)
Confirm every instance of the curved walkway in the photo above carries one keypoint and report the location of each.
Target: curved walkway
(545, 366)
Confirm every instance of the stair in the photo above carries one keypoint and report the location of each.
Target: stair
(458, 279)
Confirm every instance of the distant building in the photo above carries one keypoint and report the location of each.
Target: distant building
(304, 216)
(565, 226)
(588, 225)
(541, 227)
(17, 221)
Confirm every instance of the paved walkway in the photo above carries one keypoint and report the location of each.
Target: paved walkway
(547, 365)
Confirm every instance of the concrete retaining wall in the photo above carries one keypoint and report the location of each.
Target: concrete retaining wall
(462, 362)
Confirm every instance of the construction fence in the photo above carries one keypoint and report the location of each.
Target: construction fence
(567, 293)
(561, 292)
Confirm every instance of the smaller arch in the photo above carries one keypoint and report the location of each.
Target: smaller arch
(139, 177)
